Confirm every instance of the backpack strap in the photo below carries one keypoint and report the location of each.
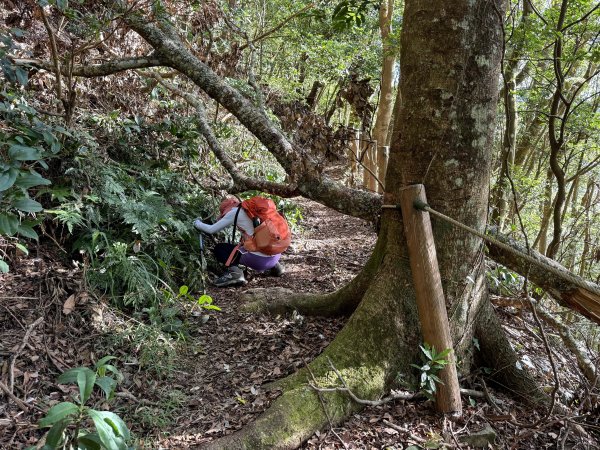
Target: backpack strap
(232, 239)
(232, 255)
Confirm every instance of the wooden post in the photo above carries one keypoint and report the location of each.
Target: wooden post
(430, 296)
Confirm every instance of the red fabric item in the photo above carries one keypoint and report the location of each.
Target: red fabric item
(273, 235)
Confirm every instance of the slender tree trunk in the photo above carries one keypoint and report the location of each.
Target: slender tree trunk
(541, 239)
(586, 202)
(386, 95)
(500, 195)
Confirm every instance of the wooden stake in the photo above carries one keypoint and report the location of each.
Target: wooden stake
(430, 296)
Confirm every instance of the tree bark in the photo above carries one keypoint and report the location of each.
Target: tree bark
(570, 290)
(445, 130)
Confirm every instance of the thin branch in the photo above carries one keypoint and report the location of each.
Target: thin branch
(230, 165)
(581, 19)
(360, 161)
(416, 439)
(96, 70)
(54, 53)
(22, 405)
(277, 27)
(324, 408)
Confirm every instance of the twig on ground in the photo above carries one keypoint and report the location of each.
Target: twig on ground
(417, 439)
(395, 395)
(489, 397)
(11, 372)
(564, 438)
(449, 423)
(346, 389)
(323, 405)
(22, 405)
(11, 313)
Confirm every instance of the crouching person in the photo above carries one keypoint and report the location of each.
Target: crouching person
(265, 235)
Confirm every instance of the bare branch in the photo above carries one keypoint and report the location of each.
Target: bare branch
(241, 180)
(277, 27)
(95, 70)
(54, 53)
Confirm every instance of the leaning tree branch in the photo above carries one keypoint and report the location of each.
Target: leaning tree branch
(241, 180)
(95, 70)
(572, 295)
(302, 169)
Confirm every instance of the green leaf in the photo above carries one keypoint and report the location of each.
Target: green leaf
(211, 307)
(436, 378)
(18, 152)
(108, 385)
(101, 362)
(27, 180)
(27, 231)
(442, 354)
(28, 205)
(62, 4)
(7, 178)
(86, 380)
(205, 299)
(22, 248)
(112, 431)
(432, 385)
(426, 350)
(22, 76)
(55, 435)
(8, 224)
(90, 441)
(3, 266)
(183, 290)
(57, 413)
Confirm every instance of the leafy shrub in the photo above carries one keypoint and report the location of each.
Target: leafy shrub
(134, 229)
(70, 423)
(26, 143)
(432, 364)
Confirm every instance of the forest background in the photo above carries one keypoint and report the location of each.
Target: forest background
(108, 152)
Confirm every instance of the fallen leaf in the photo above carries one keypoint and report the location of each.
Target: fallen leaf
(69, 305)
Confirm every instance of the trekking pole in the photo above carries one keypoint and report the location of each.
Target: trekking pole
(202, 257)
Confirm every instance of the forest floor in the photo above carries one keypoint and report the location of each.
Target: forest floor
(182, 393)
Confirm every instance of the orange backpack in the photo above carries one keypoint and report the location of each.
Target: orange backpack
(272, 236)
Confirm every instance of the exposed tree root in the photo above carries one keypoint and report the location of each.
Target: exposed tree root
(497, 354)
(379, 341)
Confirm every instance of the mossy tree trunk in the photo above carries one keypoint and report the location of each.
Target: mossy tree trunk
(450, 58)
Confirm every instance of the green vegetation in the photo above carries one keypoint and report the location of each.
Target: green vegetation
(71, 424)
(108, 156)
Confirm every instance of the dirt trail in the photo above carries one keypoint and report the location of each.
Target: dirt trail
(181, 394)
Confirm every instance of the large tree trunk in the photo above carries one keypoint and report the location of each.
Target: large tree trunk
(445, 130)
